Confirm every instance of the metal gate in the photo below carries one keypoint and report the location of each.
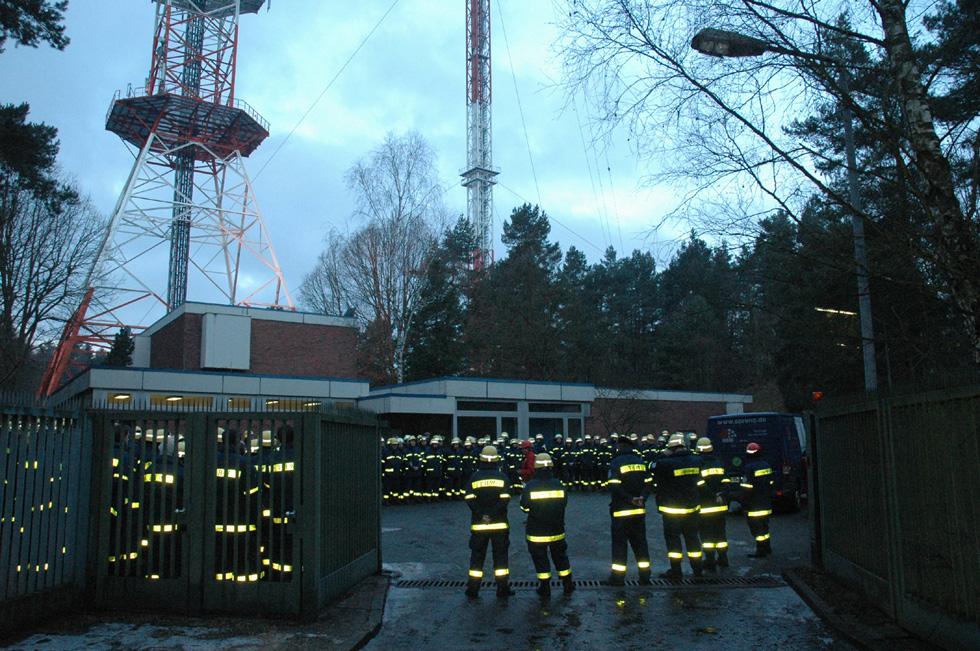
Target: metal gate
(198, 512)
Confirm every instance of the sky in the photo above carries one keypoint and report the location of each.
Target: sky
(408, 75)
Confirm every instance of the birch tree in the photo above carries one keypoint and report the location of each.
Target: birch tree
(378, 268)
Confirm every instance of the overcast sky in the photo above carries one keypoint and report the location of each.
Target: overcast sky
(408, 75)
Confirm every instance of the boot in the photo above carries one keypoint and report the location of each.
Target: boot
(697, 565)
(674, 573)
(615, 578)
(723, 557)
(645, 577)
(544, 588)
(473, 588)
(709, 560)
(503, 589)
(568, 584)
(762, 549)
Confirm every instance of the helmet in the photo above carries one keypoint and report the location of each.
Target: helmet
(543, 460)
(675, 441)
(515, 442)
(409, 438)
(539, 437)
(752, 448)
(633, 436)
(588, 437)
(504, 435)
(704, 444)
(456, 440)
(614, 436)
(559, 437)
(665, 433)
(489, 454)
(393, 441)
(692, 436)
(526, 445)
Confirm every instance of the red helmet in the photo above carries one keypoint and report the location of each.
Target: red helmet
(526, 444)
(753, 448)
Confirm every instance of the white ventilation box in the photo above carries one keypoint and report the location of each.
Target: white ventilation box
(226, 341)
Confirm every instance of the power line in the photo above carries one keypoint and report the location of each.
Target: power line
(552, 219)
(329, 84)
(520, 106)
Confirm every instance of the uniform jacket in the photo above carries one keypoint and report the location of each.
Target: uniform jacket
(678, 477)
(715, 481)
(544, 502)
(756, 488)
(488, 494)
(628, 478)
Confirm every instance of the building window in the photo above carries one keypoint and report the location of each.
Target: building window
(485, 405)
(178, 401)
(120, 398)
(239, 403)
(293, 404)
(555, 407)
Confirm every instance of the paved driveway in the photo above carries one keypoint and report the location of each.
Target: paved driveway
(746, 607)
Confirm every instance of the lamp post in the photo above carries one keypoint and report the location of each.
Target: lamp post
(723, 43)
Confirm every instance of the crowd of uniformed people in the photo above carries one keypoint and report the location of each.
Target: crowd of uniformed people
(254, 477)
(690, 484)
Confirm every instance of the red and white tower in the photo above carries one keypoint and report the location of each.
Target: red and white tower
(479, 175)
(187, 216)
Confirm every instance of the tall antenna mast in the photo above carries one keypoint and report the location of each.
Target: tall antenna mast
(187, 195)
(479, 176)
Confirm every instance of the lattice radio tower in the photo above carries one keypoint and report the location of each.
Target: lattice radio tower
(187, 195)
(480, 175)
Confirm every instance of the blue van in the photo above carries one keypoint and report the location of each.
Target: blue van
(783, 442)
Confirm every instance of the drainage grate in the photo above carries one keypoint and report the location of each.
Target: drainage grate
(687, 582)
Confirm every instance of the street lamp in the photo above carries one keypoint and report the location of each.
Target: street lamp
(723, 43)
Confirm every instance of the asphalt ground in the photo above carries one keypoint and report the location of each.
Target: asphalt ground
(749, 605)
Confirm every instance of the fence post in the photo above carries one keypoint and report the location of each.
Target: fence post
(813, 493)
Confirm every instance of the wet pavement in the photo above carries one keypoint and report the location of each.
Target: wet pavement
(418, 603)
(747, 606)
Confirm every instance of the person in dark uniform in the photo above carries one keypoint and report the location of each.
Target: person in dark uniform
(453, 470)
(544, 501)
(630, 485)
(470, 458)
(557, 452)
(587, 465)
(678, 476)
(756, 499)
(432, 469)
(603, 458)
(391, 465)
(488, 495)
(412, 469)
(714, 506)
(282, 486)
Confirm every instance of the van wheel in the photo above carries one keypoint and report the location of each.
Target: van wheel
(794, 503)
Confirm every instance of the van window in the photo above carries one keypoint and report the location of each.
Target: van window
(800, 432)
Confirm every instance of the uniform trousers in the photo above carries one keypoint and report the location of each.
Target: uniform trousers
(682, 525)
(479, 541)
(559, 555)
(631, 529)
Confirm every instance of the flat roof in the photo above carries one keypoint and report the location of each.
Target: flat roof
(210, 382)
(261, 313)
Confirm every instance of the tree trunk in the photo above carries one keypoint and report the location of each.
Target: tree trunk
(957, 257)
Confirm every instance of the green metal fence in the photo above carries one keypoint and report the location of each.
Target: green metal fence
(185, 511)
(44, 499)
(231, 512)
(899, 507)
